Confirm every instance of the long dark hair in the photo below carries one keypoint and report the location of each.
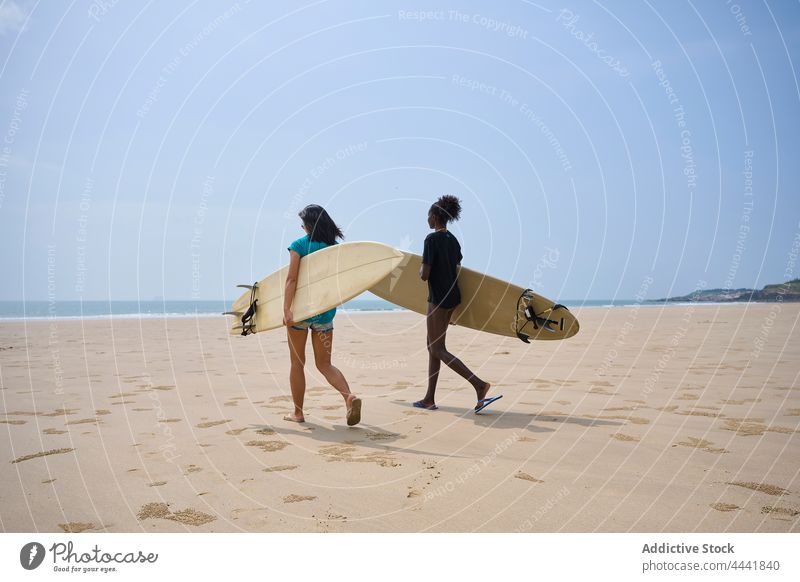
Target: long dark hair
(446, 209)
(320, 225)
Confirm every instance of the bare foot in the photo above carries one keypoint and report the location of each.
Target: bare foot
(294, 418)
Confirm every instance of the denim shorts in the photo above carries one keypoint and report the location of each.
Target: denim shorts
(313, 326)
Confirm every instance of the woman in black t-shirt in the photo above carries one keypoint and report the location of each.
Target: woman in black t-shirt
(441, 260)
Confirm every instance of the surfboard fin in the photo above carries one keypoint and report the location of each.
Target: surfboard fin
(251, 287)
(236, 313)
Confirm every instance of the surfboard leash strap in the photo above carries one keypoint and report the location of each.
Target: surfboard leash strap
(249, 317)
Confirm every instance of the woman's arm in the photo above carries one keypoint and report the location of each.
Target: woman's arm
(291, 287)
(424, 271)
(427, 260)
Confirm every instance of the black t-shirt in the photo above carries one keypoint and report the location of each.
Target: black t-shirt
(443, 253)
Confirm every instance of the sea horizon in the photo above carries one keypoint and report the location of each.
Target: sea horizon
(11, 310)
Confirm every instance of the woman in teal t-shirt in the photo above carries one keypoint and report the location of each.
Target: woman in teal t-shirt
(321, 231)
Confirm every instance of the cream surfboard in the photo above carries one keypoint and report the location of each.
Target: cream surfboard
(327, 278)
(487, 304)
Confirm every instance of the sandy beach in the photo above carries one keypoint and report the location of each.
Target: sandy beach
(683, 418)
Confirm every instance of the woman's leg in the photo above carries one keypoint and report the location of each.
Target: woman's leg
(297, 377)
(323, 346)
(438, 320)
(434, 363)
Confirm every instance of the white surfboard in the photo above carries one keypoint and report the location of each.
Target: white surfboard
(327, 278)
(487, 304)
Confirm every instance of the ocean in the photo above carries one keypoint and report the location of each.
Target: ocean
(14, 310)
(17, 310)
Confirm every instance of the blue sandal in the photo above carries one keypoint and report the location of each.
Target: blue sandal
(486, 402)
(420, 404)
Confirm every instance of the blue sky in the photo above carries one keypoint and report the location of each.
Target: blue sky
(164, 149)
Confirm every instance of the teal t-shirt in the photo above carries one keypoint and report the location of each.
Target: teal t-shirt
(305, 246)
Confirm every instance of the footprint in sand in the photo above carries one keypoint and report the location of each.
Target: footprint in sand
(699, 413)
(745, 426)
(123, 395)
(383, 436)
(156, 483)
(670, 408)
(61, 412)
(781, 429)
(701, 444)
(780, 511)
(83, 421)
(42, 454)
(687, 396)
(235, 431)
(624, 437)
(527, 477)
(739, 402)
(283, 398)
(13, 422)
(761, 487)
(268, 446)
(336, 516)
(193, 469)
(297, 498)
(210, 423)
(348, 453)
(76, 527)
(724, 506)
(279, 468)
(265, 431)
(185, 516)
